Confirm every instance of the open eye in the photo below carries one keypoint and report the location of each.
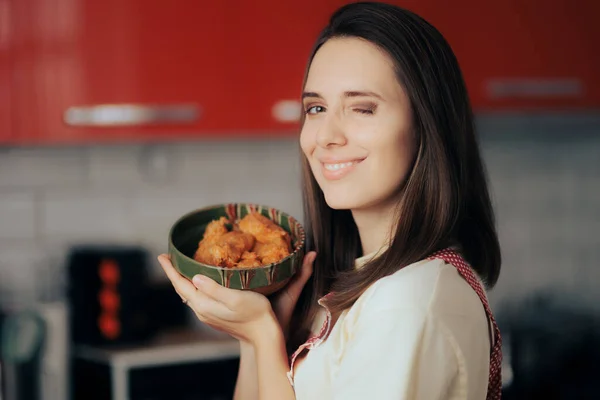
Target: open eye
(315, 110)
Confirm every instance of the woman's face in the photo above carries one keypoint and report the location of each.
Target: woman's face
(357, 135)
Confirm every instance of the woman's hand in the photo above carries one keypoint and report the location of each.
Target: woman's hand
(285, 301)
(250, 318)
(243, 314)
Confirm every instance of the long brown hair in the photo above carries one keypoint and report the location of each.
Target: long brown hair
(444, 200)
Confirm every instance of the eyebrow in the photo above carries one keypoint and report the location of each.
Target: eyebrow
(348, 94)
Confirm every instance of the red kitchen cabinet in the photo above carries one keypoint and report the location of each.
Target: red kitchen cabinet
(515, 55)
(522, 55)
(122, 70)
(6, 129)
(145, 70)
(274, 41)
(104, 71)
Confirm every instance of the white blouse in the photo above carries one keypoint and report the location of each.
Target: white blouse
(421, 333)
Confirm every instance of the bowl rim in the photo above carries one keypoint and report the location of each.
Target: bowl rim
(297, 249)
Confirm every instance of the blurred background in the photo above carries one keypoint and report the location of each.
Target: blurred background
(119, 116)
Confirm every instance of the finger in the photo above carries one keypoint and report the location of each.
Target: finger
(307, 265)
(295, 287)
(182, 286)
(207, 308)
(229, 297)
(166, 265)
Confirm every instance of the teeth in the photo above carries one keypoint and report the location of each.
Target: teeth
(335, 167)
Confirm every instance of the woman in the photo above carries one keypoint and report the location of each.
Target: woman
(397, 209)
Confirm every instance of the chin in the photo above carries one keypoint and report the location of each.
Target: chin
(338, 202)
(353, 200)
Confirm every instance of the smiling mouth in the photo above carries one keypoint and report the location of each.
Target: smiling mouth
(338, 170)
(339, 166)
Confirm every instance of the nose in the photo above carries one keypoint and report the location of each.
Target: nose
(330, 133)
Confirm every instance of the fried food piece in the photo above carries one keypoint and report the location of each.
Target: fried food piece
(272, 242)
(271, 252)
(249, 260)
(265, 230)
(223, 250)
(214, 230)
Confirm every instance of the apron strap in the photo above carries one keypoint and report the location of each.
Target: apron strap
(495, 379)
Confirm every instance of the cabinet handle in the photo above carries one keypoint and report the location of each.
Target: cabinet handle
(534, 88)
(131, 114)
(287, 111)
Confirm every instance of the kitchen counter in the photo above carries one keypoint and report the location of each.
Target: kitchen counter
(171, 348)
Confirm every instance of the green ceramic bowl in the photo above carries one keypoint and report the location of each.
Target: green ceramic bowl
(189, 230)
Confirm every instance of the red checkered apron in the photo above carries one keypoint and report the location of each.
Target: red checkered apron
(450, 257)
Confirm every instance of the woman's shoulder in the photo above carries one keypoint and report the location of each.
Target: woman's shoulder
(430, 285)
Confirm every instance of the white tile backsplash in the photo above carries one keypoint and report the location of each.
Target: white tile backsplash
(17, 215)
(111, 166)
(81, 215)
(544, 174)
(43, 167)
(21, 267)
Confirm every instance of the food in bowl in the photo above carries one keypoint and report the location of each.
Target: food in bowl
(189, 230)
(254, 241)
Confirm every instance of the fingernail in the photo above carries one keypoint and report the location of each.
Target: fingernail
(198, 280)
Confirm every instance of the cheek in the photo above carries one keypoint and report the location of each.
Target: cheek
(403, 156)
(402, 150)
(393, 155)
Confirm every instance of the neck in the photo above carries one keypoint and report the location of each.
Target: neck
(375, 227)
